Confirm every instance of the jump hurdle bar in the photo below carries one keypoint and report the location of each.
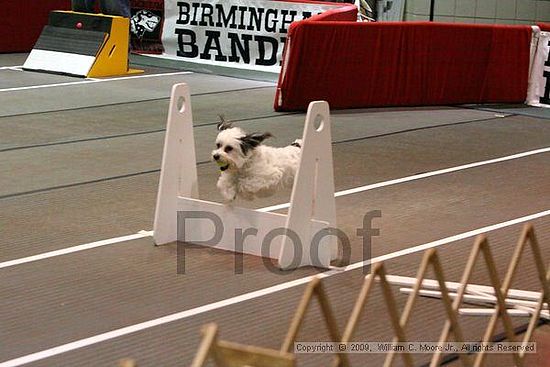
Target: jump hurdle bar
(312, 211)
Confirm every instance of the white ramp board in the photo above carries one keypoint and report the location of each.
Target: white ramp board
(285, 238)
(59, 62)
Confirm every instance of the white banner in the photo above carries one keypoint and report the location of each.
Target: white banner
(247, 34)
(539, 80)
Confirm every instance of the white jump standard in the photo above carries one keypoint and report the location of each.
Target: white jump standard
(300, 238)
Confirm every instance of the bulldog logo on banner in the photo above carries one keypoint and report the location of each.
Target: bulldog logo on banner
(539, 81)
(242, 33)
(146, 26)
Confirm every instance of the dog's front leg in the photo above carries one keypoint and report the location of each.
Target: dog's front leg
(227, 186)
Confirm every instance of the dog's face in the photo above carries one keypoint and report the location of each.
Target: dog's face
(228, 153)
(234, 146)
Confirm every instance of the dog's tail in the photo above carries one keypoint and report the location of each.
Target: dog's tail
(297, 143)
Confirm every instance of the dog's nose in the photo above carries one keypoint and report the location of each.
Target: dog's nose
(216, 156)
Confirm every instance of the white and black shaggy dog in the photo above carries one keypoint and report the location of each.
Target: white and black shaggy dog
(250, 169)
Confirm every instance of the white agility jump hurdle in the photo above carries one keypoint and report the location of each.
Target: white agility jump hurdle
(299, 238)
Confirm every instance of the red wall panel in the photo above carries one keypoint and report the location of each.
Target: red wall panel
(24, 21)
(353, 65)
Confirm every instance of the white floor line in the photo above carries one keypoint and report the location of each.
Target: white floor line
(10, 67)
(421, 176)
(94, 80)
(252, 295)
(14, 67)
(355, 190)
(68, 250)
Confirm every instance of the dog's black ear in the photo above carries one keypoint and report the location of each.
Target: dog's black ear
(224, 124)
(251, 141)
